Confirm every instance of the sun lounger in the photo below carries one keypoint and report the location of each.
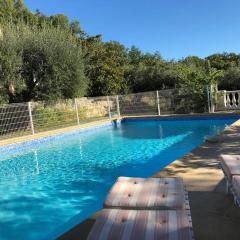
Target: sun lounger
(145, 208)
(231, 166)
(118, 224)
(151, 193)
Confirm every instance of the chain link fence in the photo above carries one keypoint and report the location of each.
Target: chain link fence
(29, 118)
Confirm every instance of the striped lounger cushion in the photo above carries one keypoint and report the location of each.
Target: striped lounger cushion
(236, 187)
(150, 193)
(117, 224)
(230, 165)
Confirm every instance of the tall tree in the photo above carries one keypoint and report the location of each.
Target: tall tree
(224, 61)
(11, 82)
(40, 64)
(105, 67)
(230, 79)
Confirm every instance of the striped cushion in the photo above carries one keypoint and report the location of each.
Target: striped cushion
(147, 193)
(230, 165)
(236, 185)
(120, 224)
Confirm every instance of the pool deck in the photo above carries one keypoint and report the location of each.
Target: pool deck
(213, 213)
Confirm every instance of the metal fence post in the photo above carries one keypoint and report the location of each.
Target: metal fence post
(118, 108)
(76, 108)
(109, 108)
(158, 104)
(30, 117)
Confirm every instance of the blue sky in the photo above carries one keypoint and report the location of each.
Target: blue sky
(175, 28)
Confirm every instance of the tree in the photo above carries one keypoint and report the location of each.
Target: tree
(194, 61)
(53, 65)
(105, 67)
(194, 77)
(148, 72)
(11, 82)
(230, 79)
(192, 82)
(224, 61)
(41, 64)
(135, 56)
(213, 75)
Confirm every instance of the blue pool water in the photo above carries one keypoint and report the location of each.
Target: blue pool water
(43, 185)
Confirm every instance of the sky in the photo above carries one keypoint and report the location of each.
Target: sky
(174, 28)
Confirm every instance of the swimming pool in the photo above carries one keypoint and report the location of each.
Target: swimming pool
(43, 184)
